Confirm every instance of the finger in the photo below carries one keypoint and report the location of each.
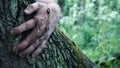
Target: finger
(39, 49)
(33, 7)
(27, 51)
(30, 49)
(23, 27)
(25, 43)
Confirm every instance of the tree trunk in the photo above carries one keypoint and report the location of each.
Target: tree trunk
(60, 52)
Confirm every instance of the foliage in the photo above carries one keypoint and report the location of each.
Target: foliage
(93, 24)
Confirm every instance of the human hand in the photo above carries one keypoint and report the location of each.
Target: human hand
(43, 24)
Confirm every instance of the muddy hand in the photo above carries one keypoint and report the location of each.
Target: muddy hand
(43, 24)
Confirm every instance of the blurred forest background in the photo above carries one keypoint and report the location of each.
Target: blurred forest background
(95, 26)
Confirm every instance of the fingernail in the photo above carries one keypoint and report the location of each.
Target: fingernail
(26, 11)
(14, 48)
(21, 55)
(11, 32)
(33, 55)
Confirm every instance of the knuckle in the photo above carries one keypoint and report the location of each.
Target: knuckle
(27, 26)
(40, 4)
(34, 46)
(36, 18)
(31, 6)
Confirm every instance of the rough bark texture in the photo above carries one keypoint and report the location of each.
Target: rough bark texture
(60, 52)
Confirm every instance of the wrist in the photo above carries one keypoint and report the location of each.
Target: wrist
(45, 1)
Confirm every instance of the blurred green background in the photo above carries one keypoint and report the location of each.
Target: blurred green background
(95, 26)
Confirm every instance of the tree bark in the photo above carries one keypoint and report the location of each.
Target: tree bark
(60, 52)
